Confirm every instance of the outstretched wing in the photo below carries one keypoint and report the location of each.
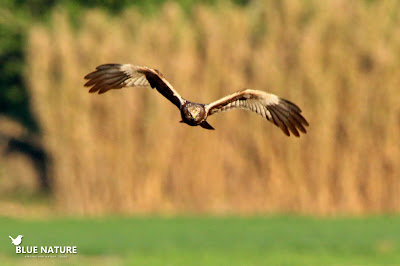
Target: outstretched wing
(284, 114)
(117, 76)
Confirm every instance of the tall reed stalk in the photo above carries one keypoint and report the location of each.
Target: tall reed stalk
(125, 152)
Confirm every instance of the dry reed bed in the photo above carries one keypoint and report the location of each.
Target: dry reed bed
(125, 152)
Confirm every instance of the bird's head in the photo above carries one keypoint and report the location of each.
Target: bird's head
(20, 236)
(193, 112)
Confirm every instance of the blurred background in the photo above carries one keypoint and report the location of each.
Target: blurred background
(123, 159)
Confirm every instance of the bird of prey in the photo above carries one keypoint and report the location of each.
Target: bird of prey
(283, 113)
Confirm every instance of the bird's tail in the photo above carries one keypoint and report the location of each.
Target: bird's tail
(11, 238)
(206, 125)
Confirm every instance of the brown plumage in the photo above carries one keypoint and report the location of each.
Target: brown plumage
(283, 113)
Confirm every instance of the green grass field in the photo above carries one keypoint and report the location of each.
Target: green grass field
(283, 240)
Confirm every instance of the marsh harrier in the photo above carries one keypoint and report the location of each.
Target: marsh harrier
(283, 113)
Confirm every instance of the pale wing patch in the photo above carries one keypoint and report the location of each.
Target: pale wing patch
(252, 100)
(250, 104)
(136, 79)
(282, 113)
(116, 76)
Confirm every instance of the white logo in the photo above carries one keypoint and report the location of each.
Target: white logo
(42, 251)
(17, 240)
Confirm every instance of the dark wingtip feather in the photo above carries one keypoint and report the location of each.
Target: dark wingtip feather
(305, 121)
(107, 66)
(291, 105)
(88, 83)
(277, 121)
(89, 76)
(298, 118)
(104, 78)
(94, 89)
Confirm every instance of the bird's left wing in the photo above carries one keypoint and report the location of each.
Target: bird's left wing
(117, 76)
(283, 113)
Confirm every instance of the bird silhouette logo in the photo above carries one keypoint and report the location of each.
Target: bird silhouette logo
(17, 240)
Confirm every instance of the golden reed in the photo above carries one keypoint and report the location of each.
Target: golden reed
(125, 152)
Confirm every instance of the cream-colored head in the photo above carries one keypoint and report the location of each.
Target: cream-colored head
(194, 111)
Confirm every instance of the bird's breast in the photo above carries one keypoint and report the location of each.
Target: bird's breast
(192, 113)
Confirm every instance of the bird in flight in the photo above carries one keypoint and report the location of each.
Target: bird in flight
(283, 113)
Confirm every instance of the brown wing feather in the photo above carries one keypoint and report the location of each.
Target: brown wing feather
(117, 76)
(283, 113)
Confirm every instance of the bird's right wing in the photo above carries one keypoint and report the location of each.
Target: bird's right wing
(117, 76)
(283, 113)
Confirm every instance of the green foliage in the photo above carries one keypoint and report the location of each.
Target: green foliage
(16, 17)
(214, 241)
(13, 96)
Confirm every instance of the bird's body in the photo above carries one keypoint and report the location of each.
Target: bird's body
(284, 114)
(194, 114)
